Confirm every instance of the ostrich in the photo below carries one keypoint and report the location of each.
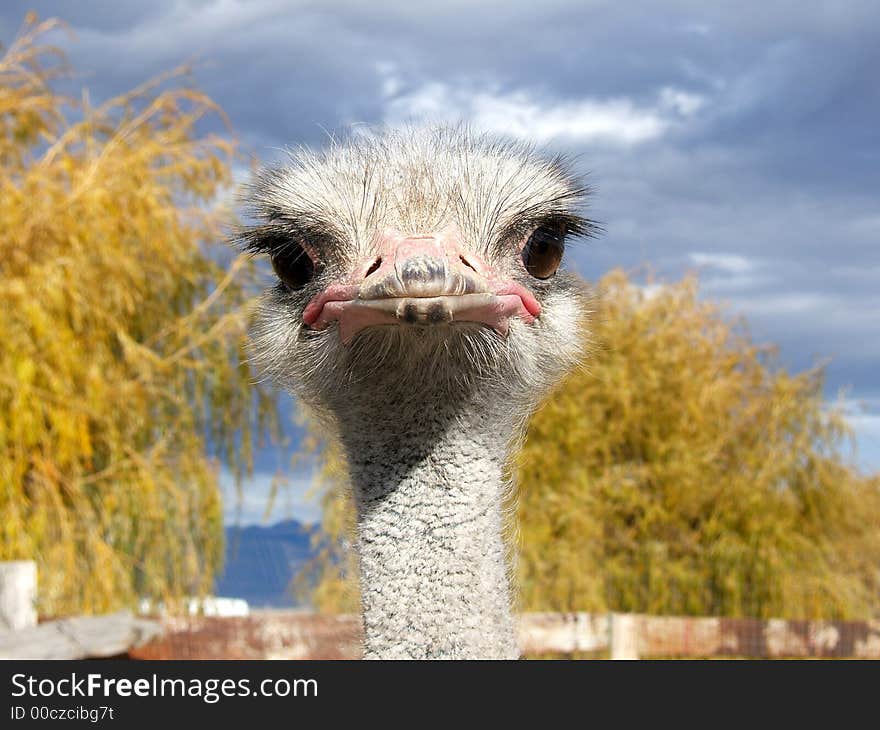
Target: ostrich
(420, 313)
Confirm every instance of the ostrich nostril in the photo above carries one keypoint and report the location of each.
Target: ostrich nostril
(466, 262)
(410, 313)
(374, 268)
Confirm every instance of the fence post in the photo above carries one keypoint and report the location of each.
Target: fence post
(18, 594)
(623, 636)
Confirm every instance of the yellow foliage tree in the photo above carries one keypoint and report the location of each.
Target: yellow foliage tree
(122, 338)
(684, 472)
(679, 472)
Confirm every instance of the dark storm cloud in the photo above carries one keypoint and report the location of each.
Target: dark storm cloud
(739, 139)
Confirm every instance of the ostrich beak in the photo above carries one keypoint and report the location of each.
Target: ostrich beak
(421, 280)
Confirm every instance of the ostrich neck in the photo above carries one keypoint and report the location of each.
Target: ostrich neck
(428, 485)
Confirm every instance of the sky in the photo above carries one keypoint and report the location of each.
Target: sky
(740, 140)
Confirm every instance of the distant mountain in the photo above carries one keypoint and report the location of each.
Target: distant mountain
(261, 562)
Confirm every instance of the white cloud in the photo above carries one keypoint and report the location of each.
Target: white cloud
(529, 115)
(648, 291)
(702, 29)
(786, 304)
(682, 102)
(391, 82)
(726, 262)
(295, 499)
(864, 417)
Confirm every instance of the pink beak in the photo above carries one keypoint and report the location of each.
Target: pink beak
(424, 280)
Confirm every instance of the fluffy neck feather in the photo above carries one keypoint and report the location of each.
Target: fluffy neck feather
(429, 489)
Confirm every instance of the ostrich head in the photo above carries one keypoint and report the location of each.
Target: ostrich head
(417, 265)
(421, 312)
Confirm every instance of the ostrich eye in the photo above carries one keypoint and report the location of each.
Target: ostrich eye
(542, 253)
(293, 265)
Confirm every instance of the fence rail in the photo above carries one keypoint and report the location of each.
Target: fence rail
(301, 635)
(298, 635)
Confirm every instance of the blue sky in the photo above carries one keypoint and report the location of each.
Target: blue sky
(742, 140)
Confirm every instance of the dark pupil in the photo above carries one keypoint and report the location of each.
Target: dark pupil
(293, 265)
(543, 251)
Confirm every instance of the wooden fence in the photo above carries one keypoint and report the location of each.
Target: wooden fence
(300, 635)
(297, 635)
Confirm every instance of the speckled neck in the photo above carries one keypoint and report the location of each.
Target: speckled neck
(428, 486)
